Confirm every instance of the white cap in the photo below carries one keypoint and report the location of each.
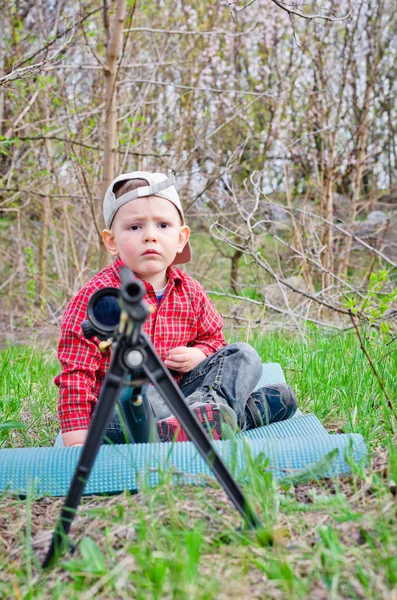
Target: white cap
(158, 185)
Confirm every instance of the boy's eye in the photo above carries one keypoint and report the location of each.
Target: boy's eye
(162, 225)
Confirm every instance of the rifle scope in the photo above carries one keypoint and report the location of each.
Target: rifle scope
(103, 309)
(103, 312)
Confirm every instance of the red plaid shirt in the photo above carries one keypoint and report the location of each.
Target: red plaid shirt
(184, 317)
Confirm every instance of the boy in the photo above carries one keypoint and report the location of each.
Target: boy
(146, 231)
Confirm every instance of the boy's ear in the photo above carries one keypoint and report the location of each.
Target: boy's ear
(184, 234)
(110, 242)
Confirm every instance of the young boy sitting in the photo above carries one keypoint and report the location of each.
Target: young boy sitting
(146, 231)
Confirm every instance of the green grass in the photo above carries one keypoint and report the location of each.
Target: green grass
(329, 373)
(329, 539)
(28, 397)
(334, 380)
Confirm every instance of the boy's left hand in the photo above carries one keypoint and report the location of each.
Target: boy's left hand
(184, 359)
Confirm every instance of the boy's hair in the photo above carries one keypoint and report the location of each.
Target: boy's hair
(122, 187)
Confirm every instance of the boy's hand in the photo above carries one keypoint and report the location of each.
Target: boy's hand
(184, 359)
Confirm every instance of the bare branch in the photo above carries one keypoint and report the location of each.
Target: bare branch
(61, 34)
(374, 369)
(186, 32)
(264, 264)
(24, 72)
(277, 309)
(82, 145)
(198, 89)
(287, 8)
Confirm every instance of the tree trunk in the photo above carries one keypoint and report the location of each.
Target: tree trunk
(45, 218)
(306, 270)
(2, 94)
(374, 33)
(234, 271)
(112, 52)
(45, 223)
(327, 240)
(361, 151)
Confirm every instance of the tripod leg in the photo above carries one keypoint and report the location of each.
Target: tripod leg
(172, 395)
(102, 416)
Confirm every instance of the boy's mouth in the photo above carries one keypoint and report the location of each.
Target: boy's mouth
(151, 252)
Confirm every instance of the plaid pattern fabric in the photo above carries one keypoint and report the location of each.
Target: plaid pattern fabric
(184, 317)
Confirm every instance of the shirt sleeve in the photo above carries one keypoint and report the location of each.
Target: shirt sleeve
(81, 361)
(210, 337)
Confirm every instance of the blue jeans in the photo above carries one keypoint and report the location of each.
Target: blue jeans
(229, 376)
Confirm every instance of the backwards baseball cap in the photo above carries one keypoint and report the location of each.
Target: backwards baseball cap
(157, 185)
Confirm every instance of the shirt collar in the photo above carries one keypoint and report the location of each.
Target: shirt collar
(173, 274)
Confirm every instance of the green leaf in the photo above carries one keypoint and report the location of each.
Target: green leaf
(92, 555)
(12, 425)
(312, 472)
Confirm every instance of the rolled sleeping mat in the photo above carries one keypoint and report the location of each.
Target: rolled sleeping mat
(48, 471)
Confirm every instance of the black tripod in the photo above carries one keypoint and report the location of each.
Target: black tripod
(134, 363)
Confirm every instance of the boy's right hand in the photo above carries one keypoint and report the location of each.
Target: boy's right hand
(74, 438)
(184, 359)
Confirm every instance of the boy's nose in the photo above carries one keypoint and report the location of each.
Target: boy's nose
(150, 235)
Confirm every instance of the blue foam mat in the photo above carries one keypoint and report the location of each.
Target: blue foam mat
(49, 470)
(289, 447)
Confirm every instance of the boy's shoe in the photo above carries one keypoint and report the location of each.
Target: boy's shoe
(270, 404)
(214, 418)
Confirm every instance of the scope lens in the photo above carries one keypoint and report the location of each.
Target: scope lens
(107, 311)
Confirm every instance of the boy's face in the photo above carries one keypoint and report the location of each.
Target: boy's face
(147, 234)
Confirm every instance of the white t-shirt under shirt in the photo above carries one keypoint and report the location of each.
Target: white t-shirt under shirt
(160, 293)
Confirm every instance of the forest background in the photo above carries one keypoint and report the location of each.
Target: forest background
(279, 122)
(281, 131)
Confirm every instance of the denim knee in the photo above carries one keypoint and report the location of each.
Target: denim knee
(249, 355)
